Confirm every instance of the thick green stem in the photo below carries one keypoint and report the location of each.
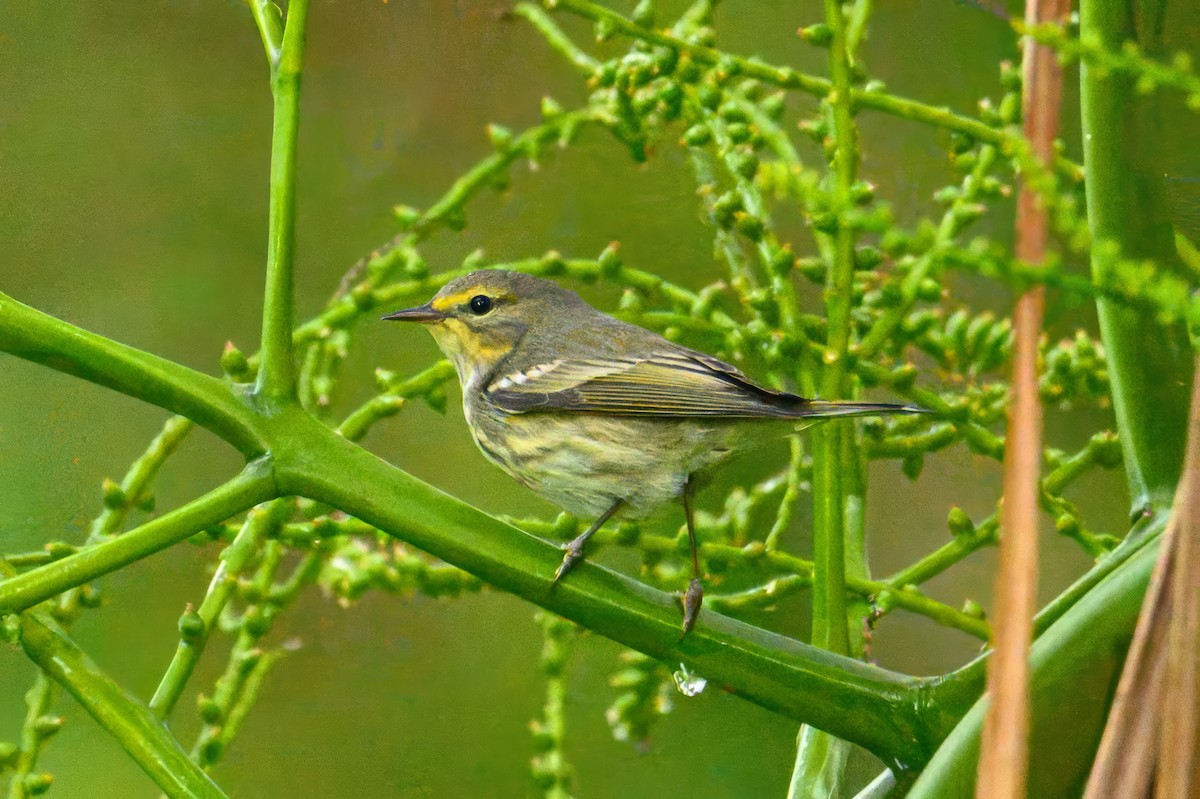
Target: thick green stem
(852, 699)
(277, 378)
(252, 486)
(820, 759)
(39, 337)
(1075, 664)
(1149, 365)
(138, 732)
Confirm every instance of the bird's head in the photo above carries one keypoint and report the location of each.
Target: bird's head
(478, 319)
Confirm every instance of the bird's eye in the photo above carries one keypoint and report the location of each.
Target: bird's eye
(480, 304)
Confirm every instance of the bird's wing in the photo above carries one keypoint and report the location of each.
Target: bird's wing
(669, 383)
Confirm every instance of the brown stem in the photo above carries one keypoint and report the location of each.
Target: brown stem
(1004, 755)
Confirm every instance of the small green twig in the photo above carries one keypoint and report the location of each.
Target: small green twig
(252, 486)
(549, 767)
(196, 625)
(129, 721)
(24, 783)
(789, 78)
(276, 378)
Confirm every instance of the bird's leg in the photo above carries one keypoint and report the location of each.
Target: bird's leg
(574, 552)
(695, 591)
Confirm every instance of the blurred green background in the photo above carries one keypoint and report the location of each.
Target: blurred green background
(134, 149)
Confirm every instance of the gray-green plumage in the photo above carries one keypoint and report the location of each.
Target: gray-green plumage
(590, 410)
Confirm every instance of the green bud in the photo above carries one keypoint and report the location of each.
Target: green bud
(473, 260)
(987, 113)
(406, 216)
(455, 219)
(825, 222)
(744, 164)
(114, 495)
(551, 109)
(363, 297)
(209, 710)
(256, 622)
(773, 106)
(643, 14)
(9, 752)
(959, 522)
(37, 784)
(604, 30)
(1067, 524)
(862, 192)
(867, 258)
(248, 660)
(961, 143)
(234, 363)
(912, 465)
(1107, 448)
(697, 136)
(210, 751)
(666, 59)
(749, 226)
(606, 75)
(973, 609)
(90, 595)
(10, 628)
(59, 549)
(818, 35)
(947, 194)
(46, 726)
(500, 136)
(416, 267)
(783, 260)
(728, 67)
(192, 628)
(552, 263)
(903, 377)
(709, 96)
(543, 740)
(929, 290)
(609, 260)
(816, 129)
(688, 71)
(739, 132)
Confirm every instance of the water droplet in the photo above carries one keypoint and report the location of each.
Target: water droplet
(689, 684)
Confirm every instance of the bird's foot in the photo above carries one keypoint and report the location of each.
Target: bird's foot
(692, 599)
(572, 554)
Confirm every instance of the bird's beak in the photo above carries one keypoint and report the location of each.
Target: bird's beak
(423, 313)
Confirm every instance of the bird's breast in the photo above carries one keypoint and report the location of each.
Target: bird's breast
(583, 462)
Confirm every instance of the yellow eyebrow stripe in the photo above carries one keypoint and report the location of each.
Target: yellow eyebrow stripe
(444, 304)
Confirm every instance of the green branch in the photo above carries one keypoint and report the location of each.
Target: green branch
(1094, 630)
(1149, 364)
(39, 337)
(820, 757)
(150, 745)
(851, 699)
(276, 378)
(252, 486)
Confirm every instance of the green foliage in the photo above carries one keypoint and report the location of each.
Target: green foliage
(898, 316)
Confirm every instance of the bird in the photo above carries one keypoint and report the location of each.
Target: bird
(597, 415)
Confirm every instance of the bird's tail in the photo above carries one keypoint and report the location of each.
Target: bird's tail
(824, 409)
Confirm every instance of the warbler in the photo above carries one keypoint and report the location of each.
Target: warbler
(597, 415)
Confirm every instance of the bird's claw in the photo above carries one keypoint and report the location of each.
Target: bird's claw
(572, 555)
